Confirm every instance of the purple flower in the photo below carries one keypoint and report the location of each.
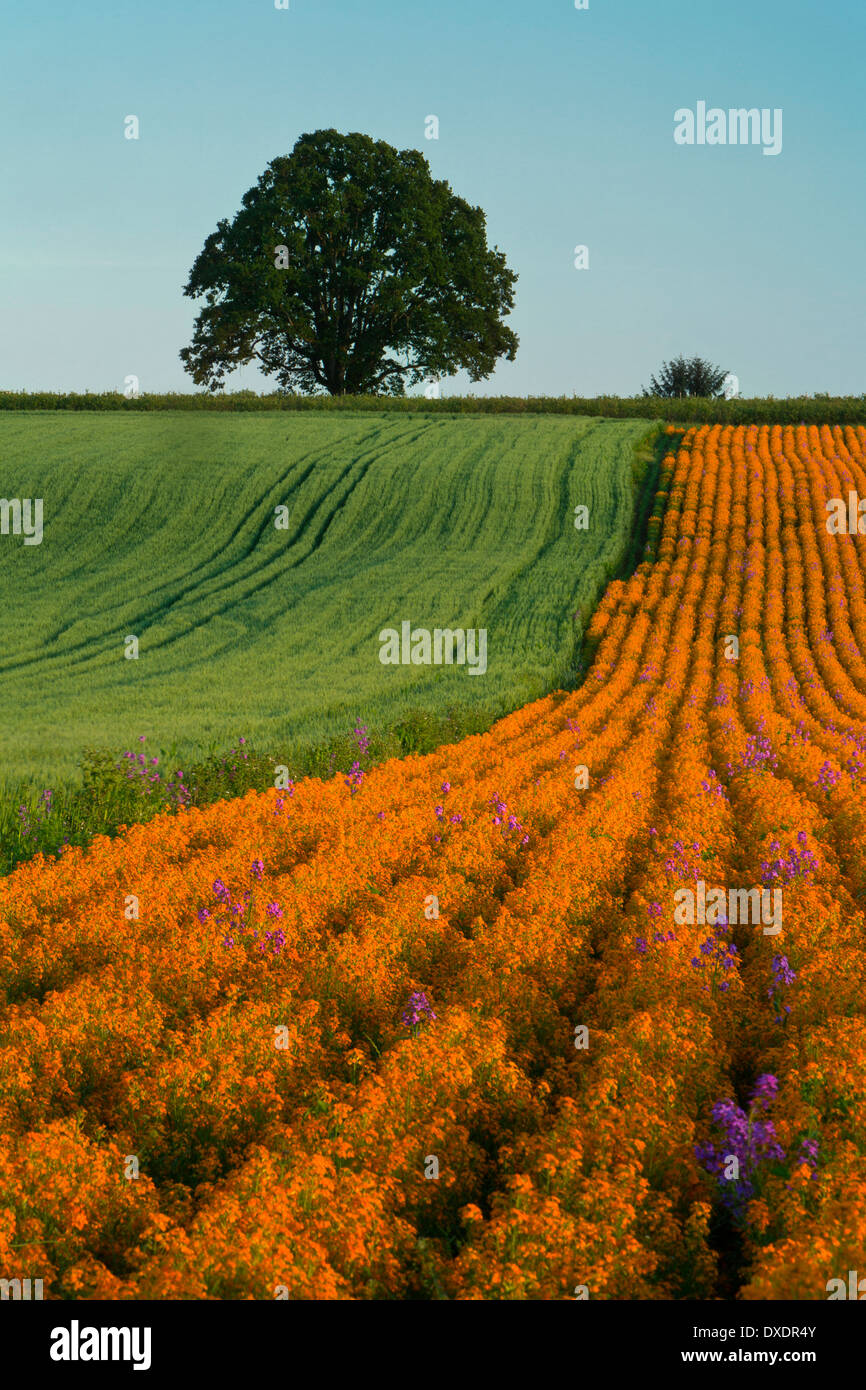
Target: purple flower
(828, 776)
(417, 1009)
(747, 1137)
(355, 777)
(758, 754)
(766, 1088)
(783, 976)
(796, 864)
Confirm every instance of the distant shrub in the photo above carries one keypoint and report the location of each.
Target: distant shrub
(689, 410)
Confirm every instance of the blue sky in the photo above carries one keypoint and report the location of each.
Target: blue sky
(558, 122)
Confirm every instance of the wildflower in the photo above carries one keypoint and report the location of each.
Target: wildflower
(748, 1137)
(798, 863)
(355, 777)
(828, 776)
(758, 754)
(418, 1008)
(783, 976)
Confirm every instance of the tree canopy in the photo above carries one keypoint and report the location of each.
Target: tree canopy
(350, 269)
(692, 376)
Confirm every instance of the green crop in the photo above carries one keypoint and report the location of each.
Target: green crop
(161, 527)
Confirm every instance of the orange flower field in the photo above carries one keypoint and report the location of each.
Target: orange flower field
(442, 1030)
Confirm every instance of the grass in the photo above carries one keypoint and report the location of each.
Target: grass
(161, 526)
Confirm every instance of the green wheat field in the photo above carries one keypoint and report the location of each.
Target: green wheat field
(162, 527)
